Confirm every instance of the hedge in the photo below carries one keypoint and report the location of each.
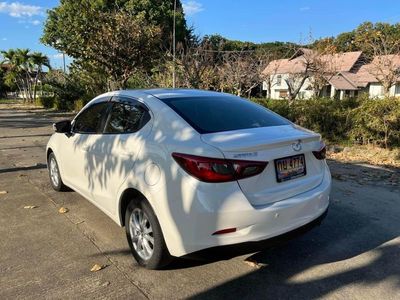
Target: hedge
(46, 102)
(364, 121)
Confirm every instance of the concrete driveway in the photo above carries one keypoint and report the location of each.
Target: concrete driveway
(354, 254)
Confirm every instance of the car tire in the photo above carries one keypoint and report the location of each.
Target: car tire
(54, 174)
(145, 237)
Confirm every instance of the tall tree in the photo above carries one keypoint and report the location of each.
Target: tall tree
(39, 60)
(73, 26)
(123, 45)
(385, 60)
(196, 67)
(242, 71)
(79, 28)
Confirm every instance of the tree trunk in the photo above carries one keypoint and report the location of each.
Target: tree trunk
(35, 85)
(386, 89)
(294, 91)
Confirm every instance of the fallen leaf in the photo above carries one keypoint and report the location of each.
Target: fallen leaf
(102, 283)
(30, 206)
(3, 192)
(97, 267)
(252, 263)
(63, 210)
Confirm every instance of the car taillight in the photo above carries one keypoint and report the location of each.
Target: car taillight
(218, 170)
(321, 153)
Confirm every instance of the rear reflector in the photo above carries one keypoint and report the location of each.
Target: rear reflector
(223, 231)
(321, 153)
(216, 169)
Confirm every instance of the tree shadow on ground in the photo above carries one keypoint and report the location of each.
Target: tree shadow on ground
(361, 219)
(356, 225)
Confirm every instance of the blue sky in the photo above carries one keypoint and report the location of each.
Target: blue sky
(21, 23)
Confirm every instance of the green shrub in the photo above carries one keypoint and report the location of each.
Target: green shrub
(46, 102)
(377, 121)
(63, 104)
(352, 120)
(66, 88)
(326, 116)
(79, 104)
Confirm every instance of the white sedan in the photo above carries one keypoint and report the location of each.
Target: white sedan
(187, 170)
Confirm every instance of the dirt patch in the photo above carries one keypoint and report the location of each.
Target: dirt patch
(366, 154)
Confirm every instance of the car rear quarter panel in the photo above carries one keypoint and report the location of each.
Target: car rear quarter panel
(172, 194)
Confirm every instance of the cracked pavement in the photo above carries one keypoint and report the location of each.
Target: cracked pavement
(355, 253)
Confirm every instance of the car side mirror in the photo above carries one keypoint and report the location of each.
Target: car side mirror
(62, 126)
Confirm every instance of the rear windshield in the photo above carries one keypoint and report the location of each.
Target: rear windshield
(223, 113)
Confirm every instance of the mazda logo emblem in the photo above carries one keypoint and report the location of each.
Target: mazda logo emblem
(297, 146)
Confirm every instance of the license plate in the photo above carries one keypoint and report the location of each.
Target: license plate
(291, 167)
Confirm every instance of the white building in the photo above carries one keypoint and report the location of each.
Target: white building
(347, 75)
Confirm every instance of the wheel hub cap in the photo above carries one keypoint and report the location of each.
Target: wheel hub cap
(141, 234)
(54, 172)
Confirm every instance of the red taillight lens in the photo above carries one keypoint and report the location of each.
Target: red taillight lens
(321, 153)
(218, 170)
(224, 231)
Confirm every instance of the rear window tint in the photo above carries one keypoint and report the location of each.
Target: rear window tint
(223, 113)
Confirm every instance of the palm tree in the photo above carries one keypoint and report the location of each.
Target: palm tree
(25, 70)
(10, 58)
(25, 64)
(39, 61)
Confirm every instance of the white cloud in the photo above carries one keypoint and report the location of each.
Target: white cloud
(305, 8)
(4, 39)
(19, 10)
(58, 56)
(192, 7)
(35, 22)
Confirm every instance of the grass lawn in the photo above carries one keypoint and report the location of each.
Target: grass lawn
(10, 101)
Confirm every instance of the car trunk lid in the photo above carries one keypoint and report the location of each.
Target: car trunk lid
(270, 144)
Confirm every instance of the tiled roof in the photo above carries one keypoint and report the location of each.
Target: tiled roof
(369, 73)
(340, 82)
(341, 62)
(334, 62)
(363, 76)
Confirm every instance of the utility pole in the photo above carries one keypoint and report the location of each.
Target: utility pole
(63, 54)
(174, 48)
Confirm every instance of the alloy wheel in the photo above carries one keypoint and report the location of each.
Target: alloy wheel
(141, 233)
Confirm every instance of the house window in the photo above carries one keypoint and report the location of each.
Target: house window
(397, 89)
(279, 80)
(283, 94)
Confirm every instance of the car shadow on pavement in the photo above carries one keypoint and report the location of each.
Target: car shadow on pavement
(24, 136)
(17, 169)
(355, 245)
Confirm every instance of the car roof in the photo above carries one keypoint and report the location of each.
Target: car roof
(172, 93)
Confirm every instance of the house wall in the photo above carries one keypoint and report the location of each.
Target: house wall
(277, 89)
(375, 90)
(395, 91)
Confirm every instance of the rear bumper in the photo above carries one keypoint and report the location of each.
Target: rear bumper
(229, 251)
(213, 212)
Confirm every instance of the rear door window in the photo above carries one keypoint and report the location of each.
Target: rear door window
(127, 117)
(91, 119)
